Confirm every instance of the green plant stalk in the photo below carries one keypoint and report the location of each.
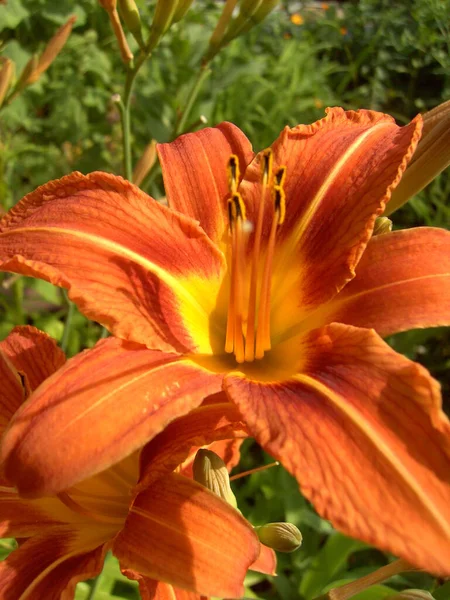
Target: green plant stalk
(18, 288)
(202, 75)
(124, 108)
(67, 325)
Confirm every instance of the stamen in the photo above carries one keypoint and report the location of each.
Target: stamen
(233, 173)
(266, 173)
(235, 338)
(263, 342)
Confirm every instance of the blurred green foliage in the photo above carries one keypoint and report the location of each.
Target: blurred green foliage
(373, 54)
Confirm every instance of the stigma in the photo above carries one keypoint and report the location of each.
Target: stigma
(248, 322)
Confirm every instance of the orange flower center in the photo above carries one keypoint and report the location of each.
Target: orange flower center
(248, 324)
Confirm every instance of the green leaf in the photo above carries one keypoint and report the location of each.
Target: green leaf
(443, 592)
(12, 14)
(328, 563)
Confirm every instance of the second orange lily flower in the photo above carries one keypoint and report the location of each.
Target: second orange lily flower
(262, 280)
(164, 527)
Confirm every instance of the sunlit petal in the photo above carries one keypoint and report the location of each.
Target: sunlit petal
(101, 406)
(195, 173)
(362, 430)
(129, 263)
(199, 542)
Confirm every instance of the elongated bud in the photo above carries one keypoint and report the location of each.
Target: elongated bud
(145, 163)
(52, 50)
(411, 595)
(210, 470)
(111, 8)
(132, 19)
(6, 75)
(283, 537)
(259, 15)
(182, 8)
(431, 157)
(382, 225)
(24, 77)
(162, 20)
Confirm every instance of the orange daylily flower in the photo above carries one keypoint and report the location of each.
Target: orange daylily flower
(286, 319)
(147, 509)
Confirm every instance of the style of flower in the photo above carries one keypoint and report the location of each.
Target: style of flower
(160, 523)
(286, 319)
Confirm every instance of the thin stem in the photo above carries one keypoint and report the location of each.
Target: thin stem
(18, 287)
(124, 108)
(68, 324)
(202, 75)
(94, 588)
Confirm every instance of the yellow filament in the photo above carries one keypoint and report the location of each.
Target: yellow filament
(263, 331)
(266, 172)
(238, 283)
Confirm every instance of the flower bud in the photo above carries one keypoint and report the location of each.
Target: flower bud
(283, 537)
(162, 20)
(431, 157)
(382, 225)
(145, 163)
(210, 470)
(132, 19)
(411, 595)
(24, 77)
(53, 48)
(181, 10)
(6, 75)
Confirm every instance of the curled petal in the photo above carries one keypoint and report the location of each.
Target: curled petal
(201, 427)
(195, 173)
(33, 353)
(50, 565)
(362, 429)
(100, 407)
(402, 282)
(128, 262)
(181, 533)
(266, 562)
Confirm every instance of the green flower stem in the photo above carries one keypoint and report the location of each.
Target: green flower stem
(202, 75)
(124, 108)
(94, 588)
(18, 287)
(68, 324)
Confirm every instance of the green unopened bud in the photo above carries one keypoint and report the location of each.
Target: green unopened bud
(382, 225)
(411, 595)
(132, 19)
(432, 156)
(181, 10)
(162, 20)
(210, 470)
(251, 13)
(283, 537)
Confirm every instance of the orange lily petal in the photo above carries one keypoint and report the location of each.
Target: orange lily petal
(402, 282)
(361, 428)
(228, 450)
(124, 258)
(33, 353)
(202, 426)
(101, 406)
(266, 562)
(195, 173)
(340, 173)
(199, 542)
(50, 566)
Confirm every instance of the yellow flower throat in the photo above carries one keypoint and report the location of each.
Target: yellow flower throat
(248, 327)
